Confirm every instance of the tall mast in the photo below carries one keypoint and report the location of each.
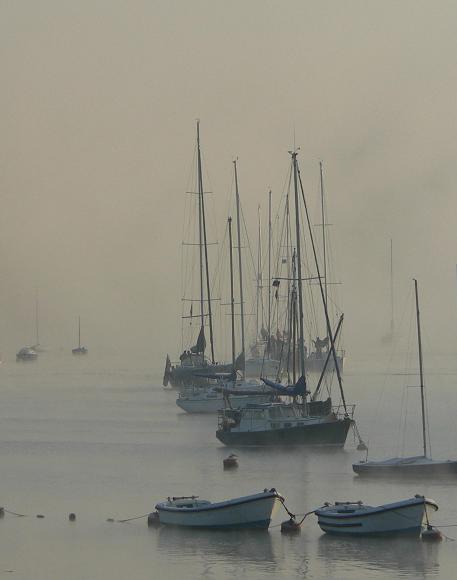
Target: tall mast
(269, 273)
(324, 245)
(421, 370)
(294, 318)
(301, 344)
(240, 267)
(37, 334)
(259, 274)
(232, 300)
(321, 288)
(200, 233)
(391, 289)
(79, 331)
(205, 245)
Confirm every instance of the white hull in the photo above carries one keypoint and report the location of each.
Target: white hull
(404, 517)
(250, 511)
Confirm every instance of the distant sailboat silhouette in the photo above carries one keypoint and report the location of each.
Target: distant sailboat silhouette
(80, 349)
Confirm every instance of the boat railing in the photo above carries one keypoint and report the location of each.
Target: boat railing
(341, 412)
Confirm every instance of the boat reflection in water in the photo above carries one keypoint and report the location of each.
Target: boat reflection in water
(224, 546)
(409, 557)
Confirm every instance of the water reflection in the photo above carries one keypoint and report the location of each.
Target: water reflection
(404, 556)
(223, 546)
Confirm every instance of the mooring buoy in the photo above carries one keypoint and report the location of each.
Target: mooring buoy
(153, 520)
(431, 534)
(72, 517)
(41, 516)
(230, 462)
(290, 527)
(2, 512)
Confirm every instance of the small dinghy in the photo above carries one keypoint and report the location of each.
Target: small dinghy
(355, 518)
(250, 511)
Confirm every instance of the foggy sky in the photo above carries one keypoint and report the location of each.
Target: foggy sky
(98, 107)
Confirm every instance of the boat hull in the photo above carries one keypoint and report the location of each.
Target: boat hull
(188, 375)
(332, 433)
(398, 518)
(246, 512)
(405, 470)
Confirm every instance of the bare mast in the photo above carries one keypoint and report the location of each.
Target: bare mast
(301, 344)
(391, 289)
(269, 275)
(240, 267)
(232, 300)
(205, 247)
(327, 319)
(259, 274)
(421, 371)
(324, 245)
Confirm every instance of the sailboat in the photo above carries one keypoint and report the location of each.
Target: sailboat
(422, 465)
(194, 368)
(230, 390)
(30, 353)
(79, 349)
(291, 423)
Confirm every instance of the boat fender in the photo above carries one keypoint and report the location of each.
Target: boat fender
(431, 534)
(290, 527)
(153, 520)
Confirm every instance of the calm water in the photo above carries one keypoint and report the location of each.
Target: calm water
(99, 436)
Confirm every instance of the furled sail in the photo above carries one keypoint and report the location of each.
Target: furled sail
(292, 390)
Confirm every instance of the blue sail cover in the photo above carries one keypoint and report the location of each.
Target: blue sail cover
(292, 390)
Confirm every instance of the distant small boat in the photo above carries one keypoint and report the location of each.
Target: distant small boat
(250, 511)
(79, 349)
(355, 518)
(26, 354)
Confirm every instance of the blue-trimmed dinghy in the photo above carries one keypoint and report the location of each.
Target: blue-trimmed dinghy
(402, 517)
(250, 511)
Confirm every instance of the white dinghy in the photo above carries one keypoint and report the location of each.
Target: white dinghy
(356, 519)
(250, 511)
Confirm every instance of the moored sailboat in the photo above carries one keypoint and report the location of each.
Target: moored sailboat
(422, 465)
(194, 367)
(296, 422)
(80, 349)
